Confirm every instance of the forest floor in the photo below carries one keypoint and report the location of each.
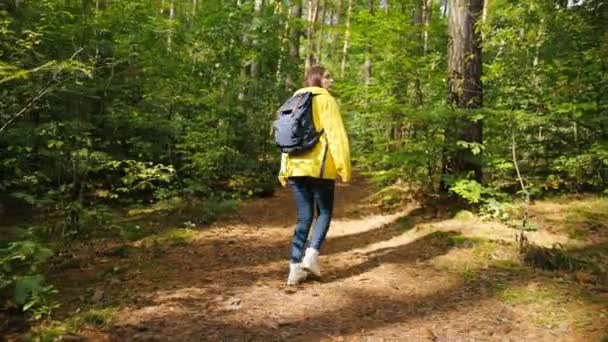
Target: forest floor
(415, 274)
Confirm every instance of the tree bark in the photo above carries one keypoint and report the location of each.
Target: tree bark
(294, 43)
(336, 22)
(255, 64)
(427, 9)
(464, 79)
(346, 38)
(313, 12)
(367, 66)
(171, 18)
(320, 23)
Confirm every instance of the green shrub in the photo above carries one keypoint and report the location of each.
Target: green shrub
(21, 284)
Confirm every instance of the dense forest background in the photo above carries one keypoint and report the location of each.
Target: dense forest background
(125, 104)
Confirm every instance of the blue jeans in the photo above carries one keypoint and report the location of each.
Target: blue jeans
(310, 193)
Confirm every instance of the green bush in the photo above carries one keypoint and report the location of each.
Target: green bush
(21, 283)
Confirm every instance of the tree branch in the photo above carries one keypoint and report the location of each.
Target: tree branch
(14, 117)
(522, 238)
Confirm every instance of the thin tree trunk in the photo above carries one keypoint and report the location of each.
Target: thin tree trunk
(294, 43)
(278, 10)
(321, 23)
(346, 38)
(464, 79)
(171, 18)
(427, 10)
(335, 23)
(367, 66)
(313, 12)
(96, 32)
(255, 64)
(245, 67)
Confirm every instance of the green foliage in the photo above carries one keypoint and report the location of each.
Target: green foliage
(216, 207)
(470, 190)
(21, 281)
(489, 201)
(134, 106)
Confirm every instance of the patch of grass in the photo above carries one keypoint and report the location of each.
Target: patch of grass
(465, 215)
(54, 331)
(544, 304)
(49, 333)
(166, 205)
(215, 208)
(588, 296)
(553, 259)
(99, 318)
(466, 242)
(471, 255)
(530, 295)
(113, 271)
(549, 305)
(132, 231)
(579, 218)
(173, 237)
(483, 249)
(123, 251)
(405, 223)
(586, 218)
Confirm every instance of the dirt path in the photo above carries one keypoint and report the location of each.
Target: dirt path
(406, 276)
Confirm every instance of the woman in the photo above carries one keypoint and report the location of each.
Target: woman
(311, 176)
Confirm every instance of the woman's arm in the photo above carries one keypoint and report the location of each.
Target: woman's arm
(331, 120)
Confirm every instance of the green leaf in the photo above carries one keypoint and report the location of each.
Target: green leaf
(25, 286)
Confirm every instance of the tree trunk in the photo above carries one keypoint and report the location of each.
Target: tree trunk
(346, 37)
(336, 22)
(171, 18)
(255, 64)
(313, 12)
(294, 43)
(245, 67)
(427, 9)
(320, 23)
(444, 8)
(367, 66)
(464, 79)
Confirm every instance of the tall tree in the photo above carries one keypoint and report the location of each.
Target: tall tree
(313, 12)
(335, 23)
(427, 9)
(464, 79)
(255, 64)
(367, 65)
(346, 37)
(294, 41)
(320, 24)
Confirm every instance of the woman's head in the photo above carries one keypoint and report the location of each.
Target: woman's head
(318, 76)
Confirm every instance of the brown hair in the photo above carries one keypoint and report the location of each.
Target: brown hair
(314, 75)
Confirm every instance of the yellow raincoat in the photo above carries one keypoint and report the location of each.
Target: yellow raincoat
(320, 162)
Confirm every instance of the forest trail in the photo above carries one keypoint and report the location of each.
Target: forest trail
(413, 275)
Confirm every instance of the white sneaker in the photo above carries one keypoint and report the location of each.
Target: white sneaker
(296, 274)
(311, 261)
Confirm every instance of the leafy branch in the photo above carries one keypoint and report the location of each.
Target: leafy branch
(56, 68)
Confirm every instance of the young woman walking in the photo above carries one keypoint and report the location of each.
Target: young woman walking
(311, 176)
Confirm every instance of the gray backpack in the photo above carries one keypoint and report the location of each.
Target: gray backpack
(294, 131)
